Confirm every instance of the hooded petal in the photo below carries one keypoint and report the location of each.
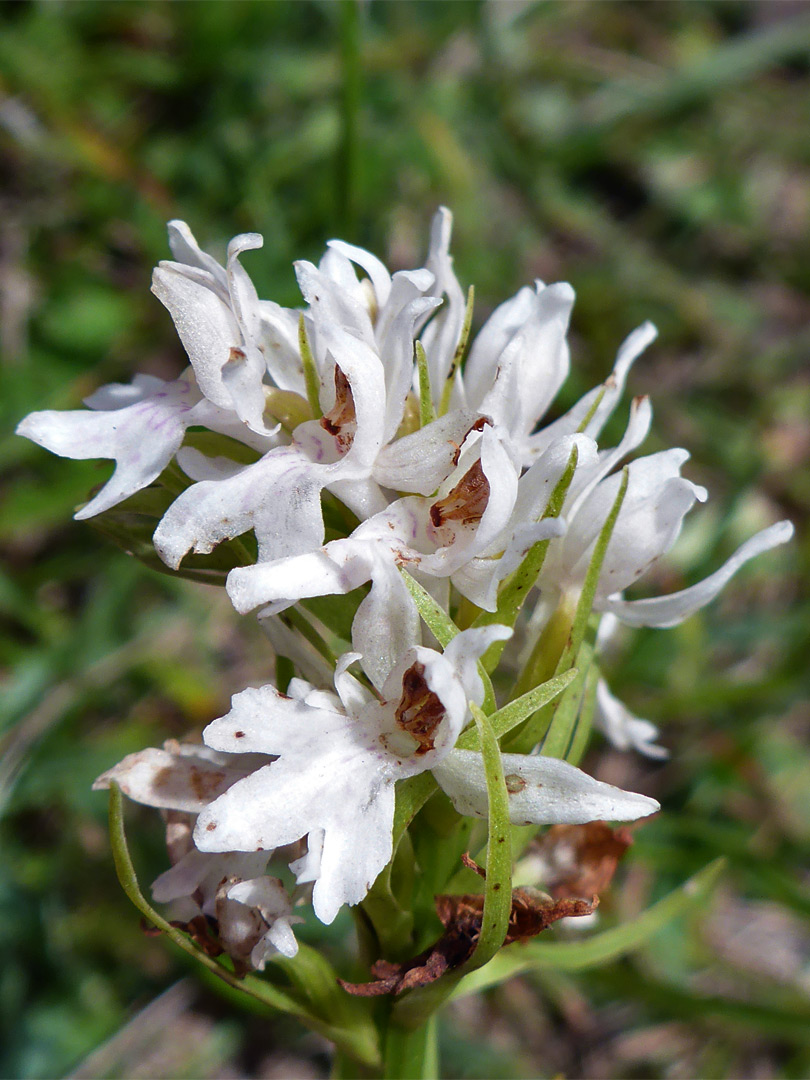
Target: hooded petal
(419, 462)
(534, 364)
(441, 336)
(649, 522)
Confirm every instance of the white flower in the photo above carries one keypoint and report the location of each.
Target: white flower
(339, 758)
(655, 503)
(362, 337)
(624, 730)
(253, 912)
(519, 361)
(140, 427)
(225, 329)
(474, 532)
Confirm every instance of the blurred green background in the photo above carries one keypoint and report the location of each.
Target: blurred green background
(657, 156)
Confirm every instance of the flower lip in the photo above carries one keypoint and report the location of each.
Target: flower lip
(420, 711)
(341, 420)
(466, 502)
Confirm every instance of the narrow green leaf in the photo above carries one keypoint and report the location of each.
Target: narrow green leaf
(586, 597)
(458, 355)
(515, 589)
(433, 614)
(584, 724)
(417, 1006)
(558, 737)
(516, 711)
(599, 949)
(311, 379)
(311, 972)
(427, 414)
(125, 871)
(444, 629)
(285, 672)
(498, 884)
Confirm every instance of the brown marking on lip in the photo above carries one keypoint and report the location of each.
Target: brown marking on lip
(239, 734)
(466, 502)
(236, 355)
(341, 420)
(419, 711)
(210, 826)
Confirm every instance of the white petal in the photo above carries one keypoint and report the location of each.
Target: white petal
(281, 937)
(379, 276)
(205, 325)
(387, 622)
(278, 497)
(665, 611)
(638, 427)
(542, 791)
(441, 336)
(419, 462)
(186, 250)
(624, 730)
(338, 568)
(607, 395)
(466, 649)
(338, 790)
(308, 867)
(534, 364)
(331, 305)
(397, 348)
(265, 721)
(491, 340)
(141, 438)
(353, 695)
(171, 781)
(655, 503)
(304, 656)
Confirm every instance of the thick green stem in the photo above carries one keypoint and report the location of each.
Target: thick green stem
(412, 1054)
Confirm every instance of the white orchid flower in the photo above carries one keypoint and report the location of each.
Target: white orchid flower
(624, 730)
(339, 757)
(519, 360)
(253, 912)
(473, 532)
(649, 522)
(140, 427)
(233, 340)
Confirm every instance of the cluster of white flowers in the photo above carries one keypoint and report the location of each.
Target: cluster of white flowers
(360, 402)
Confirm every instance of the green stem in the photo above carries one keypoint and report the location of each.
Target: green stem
(412, 1054)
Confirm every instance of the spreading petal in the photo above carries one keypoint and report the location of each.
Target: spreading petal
(666, 611)
(542, 791)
